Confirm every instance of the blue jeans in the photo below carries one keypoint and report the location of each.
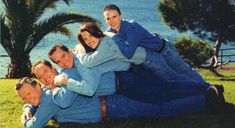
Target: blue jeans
(157, 64)
(121, 107)
(141, 84)
(174, 60)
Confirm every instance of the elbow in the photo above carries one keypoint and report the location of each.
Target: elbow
(90, 93)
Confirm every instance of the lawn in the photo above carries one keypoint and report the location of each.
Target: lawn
(11, 109)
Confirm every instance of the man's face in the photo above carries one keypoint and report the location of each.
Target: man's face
(90, 40)
(45, 74)
(30, 94)
(113, 19)
(63, 58)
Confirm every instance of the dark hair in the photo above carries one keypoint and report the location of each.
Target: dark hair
(94, 30)
(45, 62)
(25, 80)
(112, 7)
(58, 45)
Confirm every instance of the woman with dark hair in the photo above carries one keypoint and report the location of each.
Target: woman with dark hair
(102, 48)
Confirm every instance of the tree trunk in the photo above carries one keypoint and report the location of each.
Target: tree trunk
(214, 59)
(19, 67)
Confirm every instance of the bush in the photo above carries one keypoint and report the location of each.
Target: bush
(194, 52)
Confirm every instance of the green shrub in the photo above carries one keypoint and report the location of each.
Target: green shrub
(194, 52)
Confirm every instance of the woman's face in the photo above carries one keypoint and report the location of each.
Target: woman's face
(90, 40)
(113, 19)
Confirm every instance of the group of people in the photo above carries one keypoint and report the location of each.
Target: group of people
(124, 72)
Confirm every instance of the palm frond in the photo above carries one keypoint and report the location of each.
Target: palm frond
(57, 21)
(63, 30)
(39, 6)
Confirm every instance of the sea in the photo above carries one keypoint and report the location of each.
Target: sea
(144, 12)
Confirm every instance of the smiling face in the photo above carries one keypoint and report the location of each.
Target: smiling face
(90, 40)
(63, 58)
(44, 73)
(113, 19)
(30, 94)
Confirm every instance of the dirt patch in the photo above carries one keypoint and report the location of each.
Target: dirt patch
(227, 68)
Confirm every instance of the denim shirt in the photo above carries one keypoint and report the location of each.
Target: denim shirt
(44, 112)
(76, 108)
(134, 35)
(105, 86)
(65, 106)
(108, 57)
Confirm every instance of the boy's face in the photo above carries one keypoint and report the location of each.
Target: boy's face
(45, 74)
(30, 94)
(63, 58)
(113, 19)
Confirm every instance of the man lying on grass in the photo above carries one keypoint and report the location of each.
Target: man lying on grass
(67, 106)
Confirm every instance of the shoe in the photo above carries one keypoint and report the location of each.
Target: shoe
(220, 89)
(212, 99)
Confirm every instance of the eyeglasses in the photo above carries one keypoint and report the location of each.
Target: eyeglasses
(25, 80)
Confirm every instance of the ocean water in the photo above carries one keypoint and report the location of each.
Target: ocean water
(143, 11)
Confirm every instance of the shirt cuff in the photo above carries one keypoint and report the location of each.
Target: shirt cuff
(27, 107)
(55, 90)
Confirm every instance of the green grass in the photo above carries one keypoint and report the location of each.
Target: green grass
(11, 109)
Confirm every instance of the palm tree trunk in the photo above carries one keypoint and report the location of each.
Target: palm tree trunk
(19, 67)
(214, 59)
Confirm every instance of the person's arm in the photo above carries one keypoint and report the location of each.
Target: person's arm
(63, 97)
(29, 107)
(28, 112)
(105, 52)
(128, 46)
(89, 81)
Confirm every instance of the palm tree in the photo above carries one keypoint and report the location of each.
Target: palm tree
(21, 30)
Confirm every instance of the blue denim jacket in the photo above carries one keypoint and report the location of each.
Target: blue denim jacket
(135, 36)
(108, 57)
(64, 106)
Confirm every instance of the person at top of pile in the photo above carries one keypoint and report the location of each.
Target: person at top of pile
(129, 35)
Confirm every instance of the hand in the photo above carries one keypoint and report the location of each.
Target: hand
(79, 49)
(44, 86)
(109, 34)
(60, 79)
(53, 86)
(26, 115)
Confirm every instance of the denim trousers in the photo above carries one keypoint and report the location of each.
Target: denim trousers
(142, 85)
(121, 107)
(175, 61)
(157, 64)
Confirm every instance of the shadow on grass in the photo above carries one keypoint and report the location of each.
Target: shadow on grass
(221, 119)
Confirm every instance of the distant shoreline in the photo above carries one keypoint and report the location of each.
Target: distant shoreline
(226, 68)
